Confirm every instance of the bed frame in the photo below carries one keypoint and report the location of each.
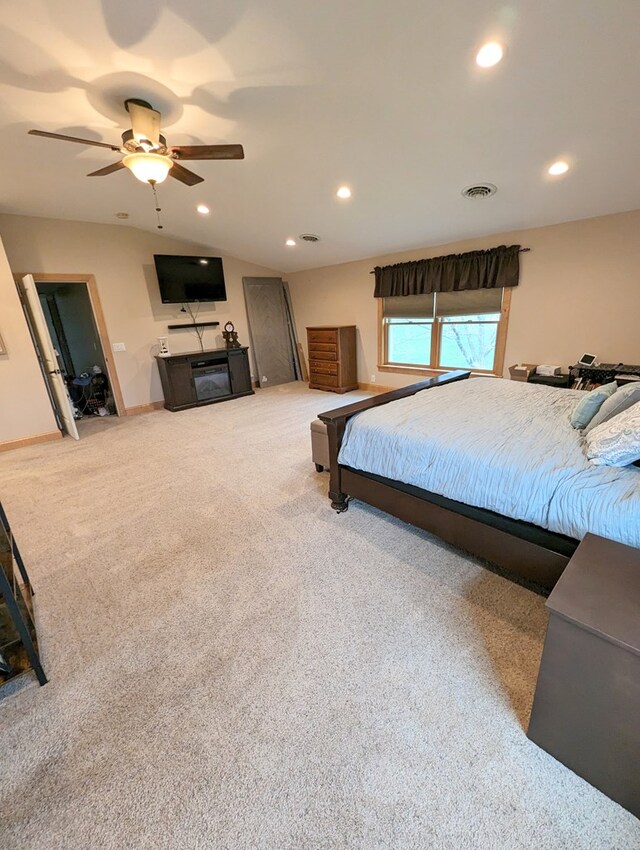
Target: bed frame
(521, 548)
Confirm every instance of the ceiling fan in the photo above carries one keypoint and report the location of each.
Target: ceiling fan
(146, 152)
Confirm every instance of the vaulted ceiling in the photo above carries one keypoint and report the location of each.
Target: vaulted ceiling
(385, 97)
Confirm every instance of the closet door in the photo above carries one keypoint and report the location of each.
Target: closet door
(269, 326)
(45, 346)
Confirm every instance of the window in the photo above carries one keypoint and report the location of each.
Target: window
(447, 330)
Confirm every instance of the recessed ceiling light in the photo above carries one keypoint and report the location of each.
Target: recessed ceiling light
(489, 54)
(559, 167)
(203, 209)
(290, 242)
(344, 192)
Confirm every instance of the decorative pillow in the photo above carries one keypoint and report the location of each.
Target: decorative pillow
(622, 399)
(616, 442)
(591, 403)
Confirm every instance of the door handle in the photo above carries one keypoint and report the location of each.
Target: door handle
(55, 372)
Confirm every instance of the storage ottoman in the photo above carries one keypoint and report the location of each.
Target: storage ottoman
(319, 445)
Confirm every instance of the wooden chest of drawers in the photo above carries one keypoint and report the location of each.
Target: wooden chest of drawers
(332, 358)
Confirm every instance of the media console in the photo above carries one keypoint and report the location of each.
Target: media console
(204, 377)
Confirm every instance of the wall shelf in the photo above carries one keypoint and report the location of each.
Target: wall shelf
(192, 325)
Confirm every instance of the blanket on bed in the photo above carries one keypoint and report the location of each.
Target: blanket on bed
(501, 445)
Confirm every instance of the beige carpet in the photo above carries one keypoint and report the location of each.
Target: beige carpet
(233, 666)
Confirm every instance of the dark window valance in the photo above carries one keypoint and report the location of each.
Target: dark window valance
(491, 269)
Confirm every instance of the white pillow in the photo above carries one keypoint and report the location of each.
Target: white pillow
(617, 441)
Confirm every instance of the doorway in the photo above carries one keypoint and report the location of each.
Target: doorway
(271, 329)
(69, 334)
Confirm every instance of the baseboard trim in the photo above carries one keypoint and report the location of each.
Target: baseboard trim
(375, 388)
(49, 436)
(144, 408)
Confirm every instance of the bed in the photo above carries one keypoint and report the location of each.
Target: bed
(491, 466)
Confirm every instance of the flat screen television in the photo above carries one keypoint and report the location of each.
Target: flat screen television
(184, 279)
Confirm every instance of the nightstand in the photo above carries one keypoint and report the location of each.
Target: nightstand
(586, 710)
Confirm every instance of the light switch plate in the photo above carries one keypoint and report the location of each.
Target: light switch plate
(119, 346)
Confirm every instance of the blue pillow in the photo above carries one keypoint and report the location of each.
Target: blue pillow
(622, 399)
(588, 406)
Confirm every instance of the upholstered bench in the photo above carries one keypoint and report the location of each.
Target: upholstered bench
(319, 445)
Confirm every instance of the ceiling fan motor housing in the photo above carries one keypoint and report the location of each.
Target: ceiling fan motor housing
(130, 144)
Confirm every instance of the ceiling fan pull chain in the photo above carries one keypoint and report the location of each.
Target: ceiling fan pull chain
(155, 197)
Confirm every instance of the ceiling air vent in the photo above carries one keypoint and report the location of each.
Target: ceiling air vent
(480, 190)
(309, 237)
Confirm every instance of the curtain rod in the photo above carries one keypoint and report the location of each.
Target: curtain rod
(521, 251)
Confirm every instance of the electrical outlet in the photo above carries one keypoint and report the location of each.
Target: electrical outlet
(264, 379)
(373, 379)
(119, 346)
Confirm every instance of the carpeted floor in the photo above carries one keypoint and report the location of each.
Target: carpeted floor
(234, 666)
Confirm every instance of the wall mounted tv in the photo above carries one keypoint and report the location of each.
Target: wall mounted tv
(184, 279)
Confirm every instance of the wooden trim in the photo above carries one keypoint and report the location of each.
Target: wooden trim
(375, 388)
(101, 325)
(105, 342)
(47, 437)
(436, 331)
(382, 337)
(144, 408)
(503, 326)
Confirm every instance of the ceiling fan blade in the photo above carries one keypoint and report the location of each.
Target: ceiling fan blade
(184, 175)
(208, 151)
(108, 169)
(73, 139)
(145, 122)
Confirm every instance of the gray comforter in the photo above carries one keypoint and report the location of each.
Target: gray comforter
(501, 445)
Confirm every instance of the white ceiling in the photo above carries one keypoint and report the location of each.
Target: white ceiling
(383, 96)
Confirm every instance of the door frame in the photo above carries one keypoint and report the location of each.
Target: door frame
(101, 327)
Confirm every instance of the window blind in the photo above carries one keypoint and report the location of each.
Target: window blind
(408, 307)
(470, 302)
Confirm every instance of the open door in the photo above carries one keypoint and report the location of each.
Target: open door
(63, 404)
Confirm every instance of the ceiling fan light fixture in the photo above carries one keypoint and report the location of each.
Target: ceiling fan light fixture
(148, 167)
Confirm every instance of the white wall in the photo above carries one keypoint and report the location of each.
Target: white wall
(579, 291)
(121, 259)
(24, 404)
